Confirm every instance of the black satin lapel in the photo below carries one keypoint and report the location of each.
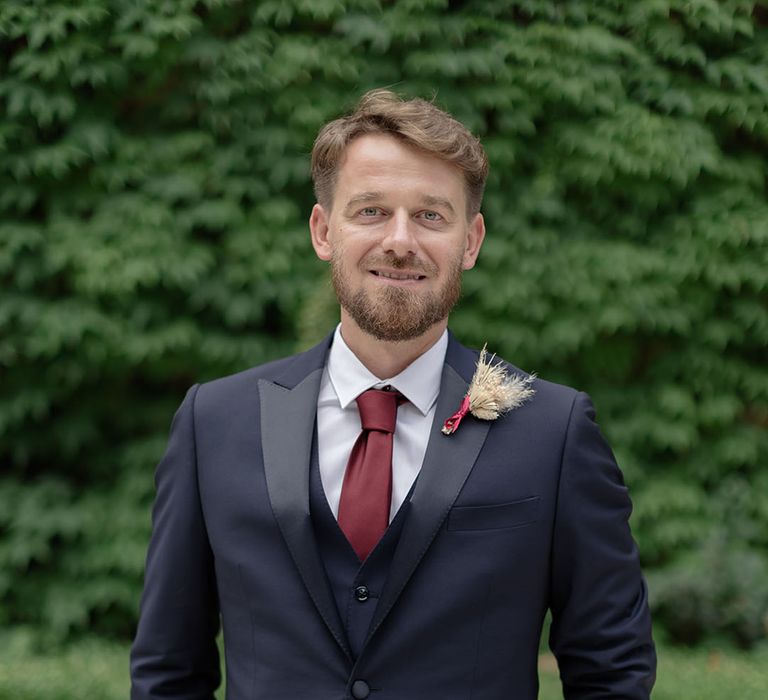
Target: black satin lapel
(287, 426)
(447, 463)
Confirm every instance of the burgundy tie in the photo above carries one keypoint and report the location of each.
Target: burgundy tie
(366, 493)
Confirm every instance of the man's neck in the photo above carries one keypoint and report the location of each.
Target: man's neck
(382, 358)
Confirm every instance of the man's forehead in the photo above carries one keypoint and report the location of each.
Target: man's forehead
(373, 149)
(377, 166)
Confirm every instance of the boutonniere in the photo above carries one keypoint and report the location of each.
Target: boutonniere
(491, 392)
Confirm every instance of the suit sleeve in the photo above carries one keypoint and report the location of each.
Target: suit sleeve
(601, 625)
(174, 654)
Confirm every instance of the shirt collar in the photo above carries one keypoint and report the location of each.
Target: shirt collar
(419, 382)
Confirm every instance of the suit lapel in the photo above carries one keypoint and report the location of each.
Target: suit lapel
(288, 411)
(447, 464)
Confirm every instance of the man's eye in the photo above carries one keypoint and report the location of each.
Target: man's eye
(431, 216)
(369, 211)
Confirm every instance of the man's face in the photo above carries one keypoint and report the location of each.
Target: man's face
(397, 237)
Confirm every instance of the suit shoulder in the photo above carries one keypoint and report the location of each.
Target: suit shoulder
(287, 371)
(553, 409)
(548, 394)
(553, 391)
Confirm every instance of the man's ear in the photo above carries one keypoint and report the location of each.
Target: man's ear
(318, 227)
(475, 236)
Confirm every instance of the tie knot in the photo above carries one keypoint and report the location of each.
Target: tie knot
(378, 409)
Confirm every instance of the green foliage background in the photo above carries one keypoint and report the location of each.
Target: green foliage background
(154, 192)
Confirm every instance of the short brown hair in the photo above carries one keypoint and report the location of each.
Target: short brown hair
(416, 122)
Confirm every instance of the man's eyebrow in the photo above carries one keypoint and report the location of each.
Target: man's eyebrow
(432, 201)
(362, 198)
(427, 200)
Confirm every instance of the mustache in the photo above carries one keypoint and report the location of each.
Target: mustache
(396, 262)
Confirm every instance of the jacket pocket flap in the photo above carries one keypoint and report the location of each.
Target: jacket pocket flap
(514, 514)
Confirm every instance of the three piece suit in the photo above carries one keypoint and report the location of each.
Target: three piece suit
(507, 518)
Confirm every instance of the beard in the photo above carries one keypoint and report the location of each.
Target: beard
(395, 313)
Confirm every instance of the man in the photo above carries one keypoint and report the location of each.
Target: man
(352, 549)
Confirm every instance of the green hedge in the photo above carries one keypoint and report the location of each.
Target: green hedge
(154, 193)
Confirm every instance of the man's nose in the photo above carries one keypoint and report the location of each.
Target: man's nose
(401, 235)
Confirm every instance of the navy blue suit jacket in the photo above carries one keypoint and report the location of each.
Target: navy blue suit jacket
(507, 519)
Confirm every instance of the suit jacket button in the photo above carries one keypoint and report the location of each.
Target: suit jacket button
(360, 690)
(362, 593)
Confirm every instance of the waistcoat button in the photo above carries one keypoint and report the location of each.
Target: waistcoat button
(360, 690)
(361, 593)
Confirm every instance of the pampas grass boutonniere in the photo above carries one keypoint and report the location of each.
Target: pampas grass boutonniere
(491, 392)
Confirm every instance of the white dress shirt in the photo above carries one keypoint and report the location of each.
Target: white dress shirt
(338, 418)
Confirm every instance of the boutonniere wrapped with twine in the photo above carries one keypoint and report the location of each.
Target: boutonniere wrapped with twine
(491, 392)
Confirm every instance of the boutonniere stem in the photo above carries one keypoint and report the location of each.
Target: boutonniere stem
(491, 392)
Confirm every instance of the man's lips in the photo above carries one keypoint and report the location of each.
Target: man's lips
(399, 275)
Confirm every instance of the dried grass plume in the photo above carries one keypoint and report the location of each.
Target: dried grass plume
(493, 391)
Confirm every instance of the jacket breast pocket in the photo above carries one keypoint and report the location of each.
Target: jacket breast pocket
(494, 517)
